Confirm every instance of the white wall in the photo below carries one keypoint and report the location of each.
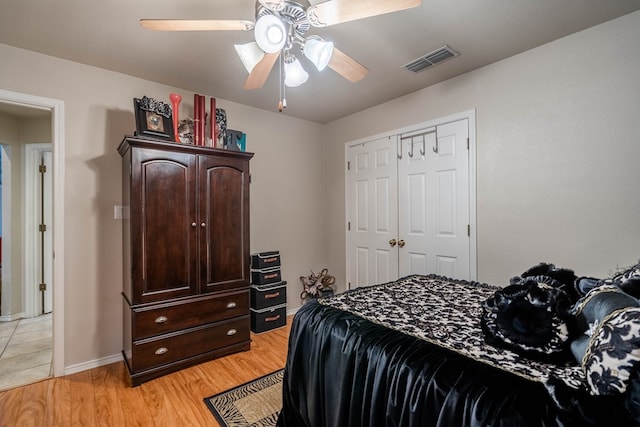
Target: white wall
(98, 113)
(558, 144)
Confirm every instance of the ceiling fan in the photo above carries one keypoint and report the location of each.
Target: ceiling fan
(281, 25)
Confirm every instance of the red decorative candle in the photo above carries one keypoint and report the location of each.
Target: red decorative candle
(203, 119)
(196, 119)
(213, 130)
(175, 104)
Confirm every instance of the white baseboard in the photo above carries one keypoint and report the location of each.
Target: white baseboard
(92, 364)
(12, 317)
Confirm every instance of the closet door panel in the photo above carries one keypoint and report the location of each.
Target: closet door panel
(372, 215)
(448, 194)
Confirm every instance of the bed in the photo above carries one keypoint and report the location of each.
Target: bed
(421, 351)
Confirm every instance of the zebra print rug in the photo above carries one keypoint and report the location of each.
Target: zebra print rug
(256, 403)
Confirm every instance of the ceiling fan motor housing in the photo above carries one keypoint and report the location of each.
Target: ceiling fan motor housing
(293, 15)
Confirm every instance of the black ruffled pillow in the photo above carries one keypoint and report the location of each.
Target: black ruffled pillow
(562, 278)
(531, 318)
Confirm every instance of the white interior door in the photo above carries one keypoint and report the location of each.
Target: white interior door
(372, 214)
(434, 202)
(415, 250)
(410, 205)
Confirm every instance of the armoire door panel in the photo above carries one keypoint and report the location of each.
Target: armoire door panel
(166, 244)
(223, 229)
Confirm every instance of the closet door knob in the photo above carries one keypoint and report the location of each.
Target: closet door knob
(401, 243)
(392, 242)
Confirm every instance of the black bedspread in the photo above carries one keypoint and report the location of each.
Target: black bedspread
(343, 370)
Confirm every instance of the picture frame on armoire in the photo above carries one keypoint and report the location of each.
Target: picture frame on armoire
(153, 118)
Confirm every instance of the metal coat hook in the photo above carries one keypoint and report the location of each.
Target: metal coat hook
(411, 152)
(423, 145)
(435, 149)
(400, 155)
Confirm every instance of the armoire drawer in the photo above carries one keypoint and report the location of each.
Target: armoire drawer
(153, 352)
(149, 321)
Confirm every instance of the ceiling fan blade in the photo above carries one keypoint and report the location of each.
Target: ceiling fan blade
(196, 25)
(338, 11)
(346, 66)
(261, 71)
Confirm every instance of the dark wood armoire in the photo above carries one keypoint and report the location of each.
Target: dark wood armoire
(186, 255)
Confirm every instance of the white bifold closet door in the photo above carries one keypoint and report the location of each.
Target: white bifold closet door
(408, 206)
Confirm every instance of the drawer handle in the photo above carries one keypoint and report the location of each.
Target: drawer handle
(161, 351)
(273, 295)
(161, 319)
(231, 332)
(272, 319)
(270, 276)
(274, 259)
(231, 304)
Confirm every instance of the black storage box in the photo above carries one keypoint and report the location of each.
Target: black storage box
(265, 260)
(263, 296)
(265, 276)
(268, 318)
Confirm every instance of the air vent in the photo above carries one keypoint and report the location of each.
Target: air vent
(431, 59)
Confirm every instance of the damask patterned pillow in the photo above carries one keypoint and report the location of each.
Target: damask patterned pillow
(610, 348)
(613, 352)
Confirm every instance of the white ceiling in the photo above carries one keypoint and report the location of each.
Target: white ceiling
(107, 34)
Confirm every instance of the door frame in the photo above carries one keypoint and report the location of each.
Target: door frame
(470, 115)
(57, 147)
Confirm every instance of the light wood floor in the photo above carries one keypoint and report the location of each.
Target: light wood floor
(103, 397)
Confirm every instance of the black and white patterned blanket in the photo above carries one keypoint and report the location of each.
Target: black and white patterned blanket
(446, 312)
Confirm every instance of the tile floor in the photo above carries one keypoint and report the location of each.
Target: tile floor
(26, 351)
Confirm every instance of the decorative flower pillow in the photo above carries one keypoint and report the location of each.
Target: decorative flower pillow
(610, 349)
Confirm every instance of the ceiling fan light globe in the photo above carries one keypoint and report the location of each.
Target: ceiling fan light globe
(318, 52)
(270, 33)
(294, 74)
(250, 54)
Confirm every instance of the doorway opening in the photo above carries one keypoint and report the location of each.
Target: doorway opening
(32, 291)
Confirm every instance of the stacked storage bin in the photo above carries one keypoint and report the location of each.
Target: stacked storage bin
(268, 292)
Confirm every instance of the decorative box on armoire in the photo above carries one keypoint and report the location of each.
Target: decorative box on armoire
(268, 292)
(186, 255)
